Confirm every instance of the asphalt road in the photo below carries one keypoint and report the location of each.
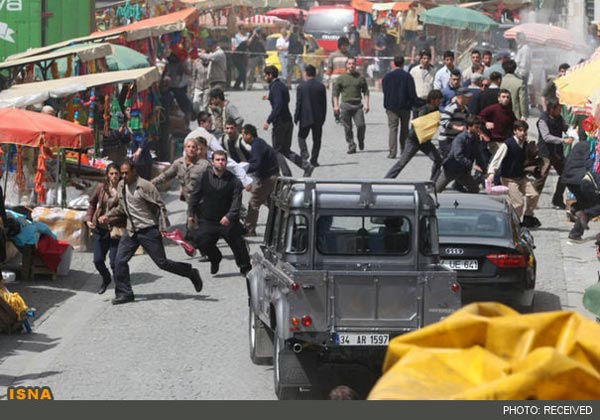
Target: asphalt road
(173, 343)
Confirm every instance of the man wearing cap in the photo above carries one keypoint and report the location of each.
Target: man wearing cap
(453, 119)
(217, 67)
(502, 56)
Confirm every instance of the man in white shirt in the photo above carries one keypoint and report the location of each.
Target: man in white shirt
(442, 77)
(424, 75)
(283, 44)
(203, 130)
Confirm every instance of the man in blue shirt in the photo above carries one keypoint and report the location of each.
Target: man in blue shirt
(264, 167)
(399, 97)
(442, 77)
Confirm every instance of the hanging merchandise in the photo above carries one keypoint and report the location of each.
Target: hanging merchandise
(20, 174)
(40, 177)
(77, 108)
(91, 105)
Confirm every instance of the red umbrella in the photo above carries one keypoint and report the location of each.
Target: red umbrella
(285, 13)
(27, 128)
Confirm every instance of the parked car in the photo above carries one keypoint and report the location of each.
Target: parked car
(313, 54)
(482, 240)
(345, 267)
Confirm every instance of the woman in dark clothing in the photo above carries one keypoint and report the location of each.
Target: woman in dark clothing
(106, 237)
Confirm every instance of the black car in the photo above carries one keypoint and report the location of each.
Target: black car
(482, 240)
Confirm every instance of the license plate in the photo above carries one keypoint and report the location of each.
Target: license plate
(362, 339)
(462, 265)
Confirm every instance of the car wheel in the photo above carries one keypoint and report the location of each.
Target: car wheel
(260, 340)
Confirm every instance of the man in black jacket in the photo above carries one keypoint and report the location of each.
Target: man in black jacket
(220, 193)
(264, 167)
(399, 97)
(283, 126)
(434, 100)
(311, 109)
(464, 156)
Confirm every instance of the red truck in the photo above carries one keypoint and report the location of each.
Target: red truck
(327, 23)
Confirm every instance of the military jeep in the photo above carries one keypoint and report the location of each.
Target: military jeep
(345, 266)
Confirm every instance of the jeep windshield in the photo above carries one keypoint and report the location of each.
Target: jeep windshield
(360, 235)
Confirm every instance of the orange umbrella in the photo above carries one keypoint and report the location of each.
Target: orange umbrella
(27, 128)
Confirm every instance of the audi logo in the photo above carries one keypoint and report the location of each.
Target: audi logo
(454, 251)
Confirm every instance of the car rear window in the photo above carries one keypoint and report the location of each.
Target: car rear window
(472, 222)
(360, 235)
(331, 22)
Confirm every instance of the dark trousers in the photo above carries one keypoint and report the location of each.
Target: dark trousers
(317, 133)
(102, 245)
(401, 117)
(282, 143)
(183, 100)
(590, 205)
(208, 234)
(464, 178)
(411, 149)
(558, 163)
(348, 113)
(151, 240)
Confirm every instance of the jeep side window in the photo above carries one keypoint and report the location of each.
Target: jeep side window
(275, 228)
(283, 224)
(429, 235)
(297, 234)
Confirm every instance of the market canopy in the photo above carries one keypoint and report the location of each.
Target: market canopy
(458, 18)
(33, 93)
(121, 58)
(54, 47)
(286, 13)
(539, 33)
(34, 129)
(369, 6)
(220, 4)
(264, 20)
(86, 52)
(157, 26)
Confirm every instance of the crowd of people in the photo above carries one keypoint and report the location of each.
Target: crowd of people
(479, 119)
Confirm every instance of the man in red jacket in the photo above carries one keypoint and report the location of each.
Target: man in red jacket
(499, 120)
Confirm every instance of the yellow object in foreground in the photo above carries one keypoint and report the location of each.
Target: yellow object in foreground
(426, 126)
(487, 351)
(15, 301)
(576, 87)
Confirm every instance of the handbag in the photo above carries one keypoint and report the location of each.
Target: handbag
(116, 232)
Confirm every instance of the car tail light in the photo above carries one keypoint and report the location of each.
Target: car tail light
(455, 287)
(295, 287)
(508, 260)
(295, 321)
(306, 321)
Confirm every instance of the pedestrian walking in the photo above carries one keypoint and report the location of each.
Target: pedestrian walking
(465, 156)
(501, 57)
(265, 169)
(399, 98)
(222, 110)
(453, 120)
(517, 90)
(256, 58)
(175, 76)
(200, 85)
(336, 66)
(295, 52)
(239, 47)
(489, 95)
(283, 125)
(442, 77)
(105, 236)
(233, 143)
(413, 145)
(141, 204)
(551, 127)
(450, 92)
(509, 161)
(349, 90)
(283, 45)
(204, 130)
(217, 67)
(220, 193)
(423, 75)
(475, 64)
(310, 114)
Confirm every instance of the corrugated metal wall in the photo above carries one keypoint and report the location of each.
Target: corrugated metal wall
(71, 19)
(20, 26)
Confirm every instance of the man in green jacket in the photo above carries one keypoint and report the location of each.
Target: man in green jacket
(516, 87)
(352, 87)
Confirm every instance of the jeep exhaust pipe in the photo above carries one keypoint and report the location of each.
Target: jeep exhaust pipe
(297, 348)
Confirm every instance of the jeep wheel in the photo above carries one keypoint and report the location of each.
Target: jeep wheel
(282, 391)
(260, 340)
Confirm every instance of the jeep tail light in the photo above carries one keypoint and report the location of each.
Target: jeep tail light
(508, 260)
(295, 321)
(306, 321)
(455, 287)
(295, 287)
